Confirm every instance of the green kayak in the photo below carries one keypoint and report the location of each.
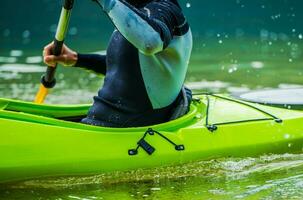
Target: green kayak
(47, 141)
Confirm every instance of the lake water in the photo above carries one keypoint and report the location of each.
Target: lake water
(240, 45)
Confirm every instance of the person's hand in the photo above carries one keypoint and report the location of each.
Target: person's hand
(68, 57)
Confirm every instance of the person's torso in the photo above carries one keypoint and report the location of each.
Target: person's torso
(145, 81)
(137, 83)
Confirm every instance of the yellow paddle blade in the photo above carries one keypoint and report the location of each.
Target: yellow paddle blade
(41, 95)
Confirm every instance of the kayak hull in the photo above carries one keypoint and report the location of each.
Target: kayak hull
(35, 146)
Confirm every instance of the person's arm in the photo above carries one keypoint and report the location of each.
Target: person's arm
(149, 29)
(94, 62)
(68, 57)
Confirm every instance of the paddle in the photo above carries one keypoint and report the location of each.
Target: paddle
(48, 80)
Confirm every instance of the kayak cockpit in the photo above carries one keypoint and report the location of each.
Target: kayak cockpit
(67, 115)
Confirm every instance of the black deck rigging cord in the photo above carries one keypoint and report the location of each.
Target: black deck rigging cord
(214, 127)
(150, 149)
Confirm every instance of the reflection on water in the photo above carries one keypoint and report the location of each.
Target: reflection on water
(238, 67)
(21, 81)
(269, 177)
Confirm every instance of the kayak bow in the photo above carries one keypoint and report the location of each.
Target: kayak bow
(46, 141)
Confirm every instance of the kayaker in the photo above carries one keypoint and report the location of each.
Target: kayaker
(144, 67)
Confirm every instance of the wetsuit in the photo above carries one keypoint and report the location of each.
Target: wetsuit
(145, 64)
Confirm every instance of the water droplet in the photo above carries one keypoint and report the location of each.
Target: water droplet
(198, 116)
(286, 136)
(188, 5)
(26, 34)
(257, 64)
(220, 41)
(300, 36)
(274, 17)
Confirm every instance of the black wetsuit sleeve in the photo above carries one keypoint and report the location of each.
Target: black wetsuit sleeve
(162, 16)
(93, 62)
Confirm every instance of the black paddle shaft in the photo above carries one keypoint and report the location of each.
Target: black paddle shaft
(49, 80)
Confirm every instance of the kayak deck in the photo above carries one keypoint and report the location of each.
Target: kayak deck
(35, 144)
